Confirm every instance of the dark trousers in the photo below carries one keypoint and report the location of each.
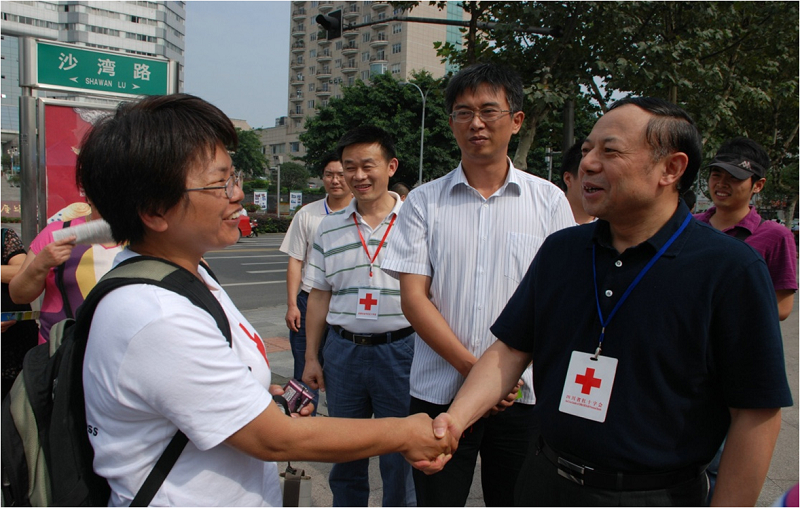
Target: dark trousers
(502, 441)
(297, 341)
(540, 485)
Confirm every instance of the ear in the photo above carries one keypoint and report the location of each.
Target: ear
(674, 167)
(154, 221)
(516, 120)
(567, 178)
(759, 185)
(393, 166)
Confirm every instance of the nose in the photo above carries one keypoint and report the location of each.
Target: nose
(589, 163)
(476, 122)
(238, 194)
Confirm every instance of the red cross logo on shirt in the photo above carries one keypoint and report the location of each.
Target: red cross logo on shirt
(368, 302)
(588, 381)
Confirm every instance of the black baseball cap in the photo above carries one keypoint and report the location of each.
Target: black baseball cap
(738, 166)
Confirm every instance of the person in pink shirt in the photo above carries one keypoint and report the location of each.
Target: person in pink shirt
(738, 173)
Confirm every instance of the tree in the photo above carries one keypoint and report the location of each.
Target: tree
(248, 158)
(294, 176)
(397, 109)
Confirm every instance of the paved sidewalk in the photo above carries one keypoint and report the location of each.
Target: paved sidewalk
(783, 471)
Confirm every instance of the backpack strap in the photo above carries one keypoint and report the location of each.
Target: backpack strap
(60, 269)
(170, 276)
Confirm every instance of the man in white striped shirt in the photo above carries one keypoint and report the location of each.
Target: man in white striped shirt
(462, 245)
(370, 343)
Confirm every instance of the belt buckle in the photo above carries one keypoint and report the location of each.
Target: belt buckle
(362, 339)
(569, 470)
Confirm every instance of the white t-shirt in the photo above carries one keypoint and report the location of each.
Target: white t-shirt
(155, 363)
(299, 239)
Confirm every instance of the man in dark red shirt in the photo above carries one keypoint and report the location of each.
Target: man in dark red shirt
(737, 173)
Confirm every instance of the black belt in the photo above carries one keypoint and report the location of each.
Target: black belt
(373, 339)
(590, 477)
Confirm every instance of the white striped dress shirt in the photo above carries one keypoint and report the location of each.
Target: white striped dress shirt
(339, 264)
(476, 251)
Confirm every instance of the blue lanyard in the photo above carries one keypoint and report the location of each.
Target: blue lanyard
(604, 323)
(325, 204)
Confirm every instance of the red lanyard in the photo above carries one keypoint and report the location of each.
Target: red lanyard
(364, 244)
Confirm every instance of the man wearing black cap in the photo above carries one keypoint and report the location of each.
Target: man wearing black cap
(738, 173)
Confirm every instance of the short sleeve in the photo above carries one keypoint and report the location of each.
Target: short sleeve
(12, 245)
(409, 253)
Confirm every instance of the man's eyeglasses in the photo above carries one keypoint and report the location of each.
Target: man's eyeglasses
(486, 115)
(233, 181)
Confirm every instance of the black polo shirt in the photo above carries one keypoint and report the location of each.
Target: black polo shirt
(697, 335)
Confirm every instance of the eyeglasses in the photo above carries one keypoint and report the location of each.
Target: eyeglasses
(486, 115)
(233, 181)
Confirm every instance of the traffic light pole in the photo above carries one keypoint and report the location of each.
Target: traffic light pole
(325, 22)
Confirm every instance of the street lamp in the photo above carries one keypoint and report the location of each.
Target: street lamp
(422, 127)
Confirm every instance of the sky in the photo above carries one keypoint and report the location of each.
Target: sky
(237, 57)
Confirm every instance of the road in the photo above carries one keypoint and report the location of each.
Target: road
(253, 271)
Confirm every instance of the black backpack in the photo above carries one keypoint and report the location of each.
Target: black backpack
(46, 454)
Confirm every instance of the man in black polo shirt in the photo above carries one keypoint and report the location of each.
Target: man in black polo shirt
(679, 344)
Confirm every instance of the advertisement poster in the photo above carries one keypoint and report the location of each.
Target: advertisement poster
(64, 127)
(260, 199)
(295, 200)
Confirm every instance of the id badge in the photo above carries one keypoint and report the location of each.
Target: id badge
(587, 388)
(368, 303)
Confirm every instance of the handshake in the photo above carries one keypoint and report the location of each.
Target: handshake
(429, 451)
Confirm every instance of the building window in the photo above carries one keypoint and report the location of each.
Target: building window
(365, 56)
(396, 68)
(364, 75)
(312, 70)
(396, 48)
(351, 81)
(311, 87)
(313, 36)
(294, 146)
(312, 53)
(380, 55)
(276, 149)
(338, 44)
(381, 15)
(311, 104)
(365, 37)
(366, 19)
(338, 63)
(397, 28)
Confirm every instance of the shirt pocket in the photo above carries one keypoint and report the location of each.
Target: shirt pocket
(521, 248)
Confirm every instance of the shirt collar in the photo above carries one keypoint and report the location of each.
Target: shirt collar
(602, 233)
(512, 180)
(352, 207)
(750, 222)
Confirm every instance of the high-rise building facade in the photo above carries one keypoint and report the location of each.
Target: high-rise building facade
(149, 28)
(319, 68)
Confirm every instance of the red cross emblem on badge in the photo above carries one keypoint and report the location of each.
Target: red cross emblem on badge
(588, 381)
(368, 302)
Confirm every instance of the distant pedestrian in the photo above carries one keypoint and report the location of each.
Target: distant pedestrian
(463, 243)
(401, 190)
(298, 243)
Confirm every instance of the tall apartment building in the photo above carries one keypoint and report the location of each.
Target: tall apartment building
(319, 68)
(154, 28)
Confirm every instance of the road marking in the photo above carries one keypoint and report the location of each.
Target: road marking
(242, 257)
(253, 283)
(267, 271)
(265, 263)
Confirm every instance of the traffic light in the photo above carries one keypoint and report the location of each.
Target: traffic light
(332, 22)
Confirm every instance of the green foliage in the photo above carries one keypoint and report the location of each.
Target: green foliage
(251, 207)
(294, 176)
(397, 109)
(15, 220)
(256, 184)
(731, 65)
(270, 224)
(6, 162)
(248, 157)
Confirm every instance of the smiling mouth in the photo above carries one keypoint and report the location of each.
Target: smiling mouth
(722, 194)
(235, 215)
(590, 189)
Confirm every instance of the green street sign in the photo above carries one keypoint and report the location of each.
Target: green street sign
(73, 67)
